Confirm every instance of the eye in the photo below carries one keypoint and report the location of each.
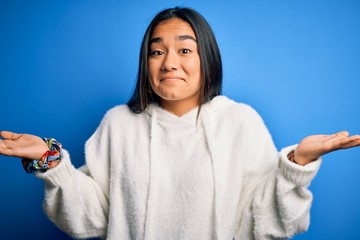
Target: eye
(185, 51)
(156, 53)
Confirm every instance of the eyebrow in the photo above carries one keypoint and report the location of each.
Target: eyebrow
(181, 38)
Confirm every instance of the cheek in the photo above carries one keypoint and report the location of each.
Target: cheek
(153, 85)
(152, 74)
(194, 68)
(150, 68)
(194, 64)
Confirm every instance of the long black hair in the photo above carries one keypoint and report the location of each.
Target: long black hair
(210, 59)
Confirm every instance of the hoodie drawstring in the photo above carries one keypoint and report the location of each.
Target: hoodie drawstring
(206, 125)
(151, 193)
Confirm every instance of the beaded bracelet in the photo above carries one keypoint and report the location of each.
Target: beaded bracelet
(47, 160)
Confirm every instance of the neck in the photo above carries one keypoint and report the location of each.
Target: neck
(178, 108)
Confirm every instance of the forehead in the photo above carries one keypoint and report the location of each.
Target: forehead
(173, 27)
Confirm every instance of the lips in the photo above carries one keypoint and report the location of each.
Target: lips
(170, 79)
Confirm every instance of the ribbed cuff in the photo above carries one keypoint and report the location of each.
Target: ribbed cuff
(300, 175)
(59, 174)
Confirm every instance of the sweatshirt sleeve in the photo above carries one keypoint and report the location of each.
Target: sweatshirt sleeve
(76, 200)
(73, 201)
(277, 200)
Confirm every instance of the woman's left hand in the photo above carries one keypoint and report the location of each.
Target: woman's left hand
(312, 147)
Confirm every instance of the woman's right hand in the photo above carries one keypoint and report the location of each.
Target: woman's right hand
(22, 145)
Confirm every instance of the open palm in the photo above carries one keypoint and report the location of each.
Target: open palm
(312, 147)
(22, 145)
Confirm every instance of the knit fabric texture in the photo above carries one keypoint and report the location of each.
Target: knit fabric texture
(158, 176)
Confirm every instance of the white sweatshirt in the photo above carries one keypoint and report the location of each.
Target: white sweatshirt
(156, 176)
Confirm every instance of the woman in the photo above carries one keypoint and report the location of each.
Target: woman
(179, 161)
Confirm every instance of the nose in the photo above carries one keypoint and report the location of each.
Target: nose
(170, 62)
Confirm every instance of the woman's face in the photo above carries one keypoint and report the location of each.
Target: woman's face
(174, 66)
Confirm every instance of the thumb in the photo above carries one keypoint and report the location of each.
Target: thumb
(9, 135)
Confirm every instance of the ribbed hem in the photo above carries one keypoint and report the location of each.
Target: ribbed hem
(300, 175)
(59, 174)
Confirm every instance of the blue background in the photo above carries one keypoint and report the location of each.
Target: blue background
(64, 63)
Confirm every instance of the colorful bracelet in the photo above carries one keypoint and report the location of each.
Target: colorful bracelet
(47, 160)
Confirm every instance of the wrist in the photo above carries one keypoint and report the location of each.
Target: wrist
(49, 159)
(293, 158)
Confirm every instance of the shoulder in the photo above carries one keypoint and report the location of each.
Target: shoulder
(121, 117)
(119, 110)
(238, 120)
(122, 112)
(233, 121)
(224, 107)
(119, 122)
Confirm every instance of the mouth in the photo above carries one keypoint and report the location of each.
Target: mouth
(171, 79)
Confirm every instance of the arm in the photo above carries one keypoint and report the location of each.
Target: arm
(73, 200)
(277, 202)
(278, 206)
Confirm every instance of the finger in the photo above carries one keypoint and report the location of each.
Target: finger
(349, 139)
(9, 135)
(337, 137)
(6, 147)
(337, 141)
(1, 134)
(342, 134)
(354, 137)
(353, 141)
(334, 137)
